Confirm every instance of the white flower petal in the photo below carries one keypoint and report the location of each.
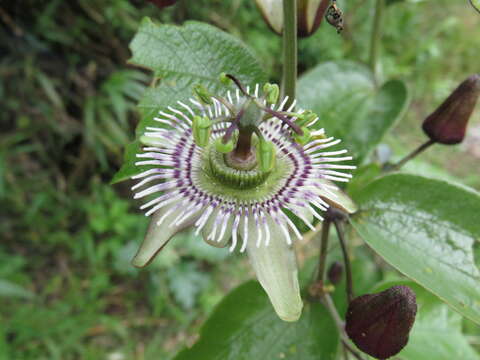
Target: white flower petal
(276, 269)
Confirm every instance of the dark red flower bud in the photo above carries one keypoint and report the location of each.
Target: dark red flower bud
(379, 324)
(447, 124)
(310, 15)
(335, 272)
(163, 3)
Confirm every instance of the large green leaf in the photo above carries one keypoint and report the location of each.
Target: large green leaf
(244, 327)
(180, 57)
(426, 229)
(349, 105)
(437, 332)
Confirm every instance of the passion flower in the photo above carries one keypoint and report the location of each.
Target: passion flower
(230, 167)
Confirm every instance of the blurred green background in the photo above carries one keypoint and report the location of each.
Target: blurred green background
(67, 290)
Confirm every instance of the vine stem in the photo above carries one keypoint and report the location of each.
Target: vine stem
(376, 38)
(412, 155)
(346, 259)
(474, 6)
(328, 302)
(289, 80)
(323, 253)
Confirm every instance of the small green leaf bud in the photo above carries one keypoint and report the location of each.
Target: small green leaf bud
(266, 155)
(224, 79)
(303, 139)
(201, 128)
(203, 94)
(227, 147)
(272, 92)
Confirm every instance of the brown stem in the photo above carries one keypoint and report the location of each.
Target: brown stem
(346, 259)
(316, 289)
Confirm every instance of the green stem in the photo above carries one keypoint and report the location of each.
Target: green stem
(411, 156)
(329, 304)
(289, 81)
(323, 253)
(376, 37)
(474, 6)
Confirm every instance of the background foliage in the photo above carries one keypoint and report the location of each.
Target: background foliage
(67, 290)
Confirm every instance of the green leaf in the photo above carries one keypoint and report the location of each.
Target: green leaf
(181, 57)
(244, 327)
(349, 106)
(426, 229)
(128, 167)
(186, 281)
(391, 2)
(12, 290)
(437, 332)
(190, 244)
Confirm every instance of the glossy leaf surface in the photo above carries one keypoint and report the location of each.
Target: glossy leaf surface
(349, 106)
(244, 326)
(426, 229)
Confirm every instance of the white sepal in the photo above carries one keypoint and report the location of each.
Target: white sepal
(276, 269)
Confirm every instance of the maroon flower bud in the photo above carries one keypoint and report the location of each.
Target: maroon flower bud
(163, 3)
(335, 272)
(447, 124)
(379, 324)
(309, 16)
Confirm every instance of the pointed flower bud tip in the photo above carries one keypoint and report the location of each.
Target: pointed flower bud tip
(335, 272)
(379, 324)
(448, 123)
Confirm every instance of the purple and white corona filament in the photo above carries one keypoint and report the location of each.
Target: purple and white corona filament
(240, 205)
